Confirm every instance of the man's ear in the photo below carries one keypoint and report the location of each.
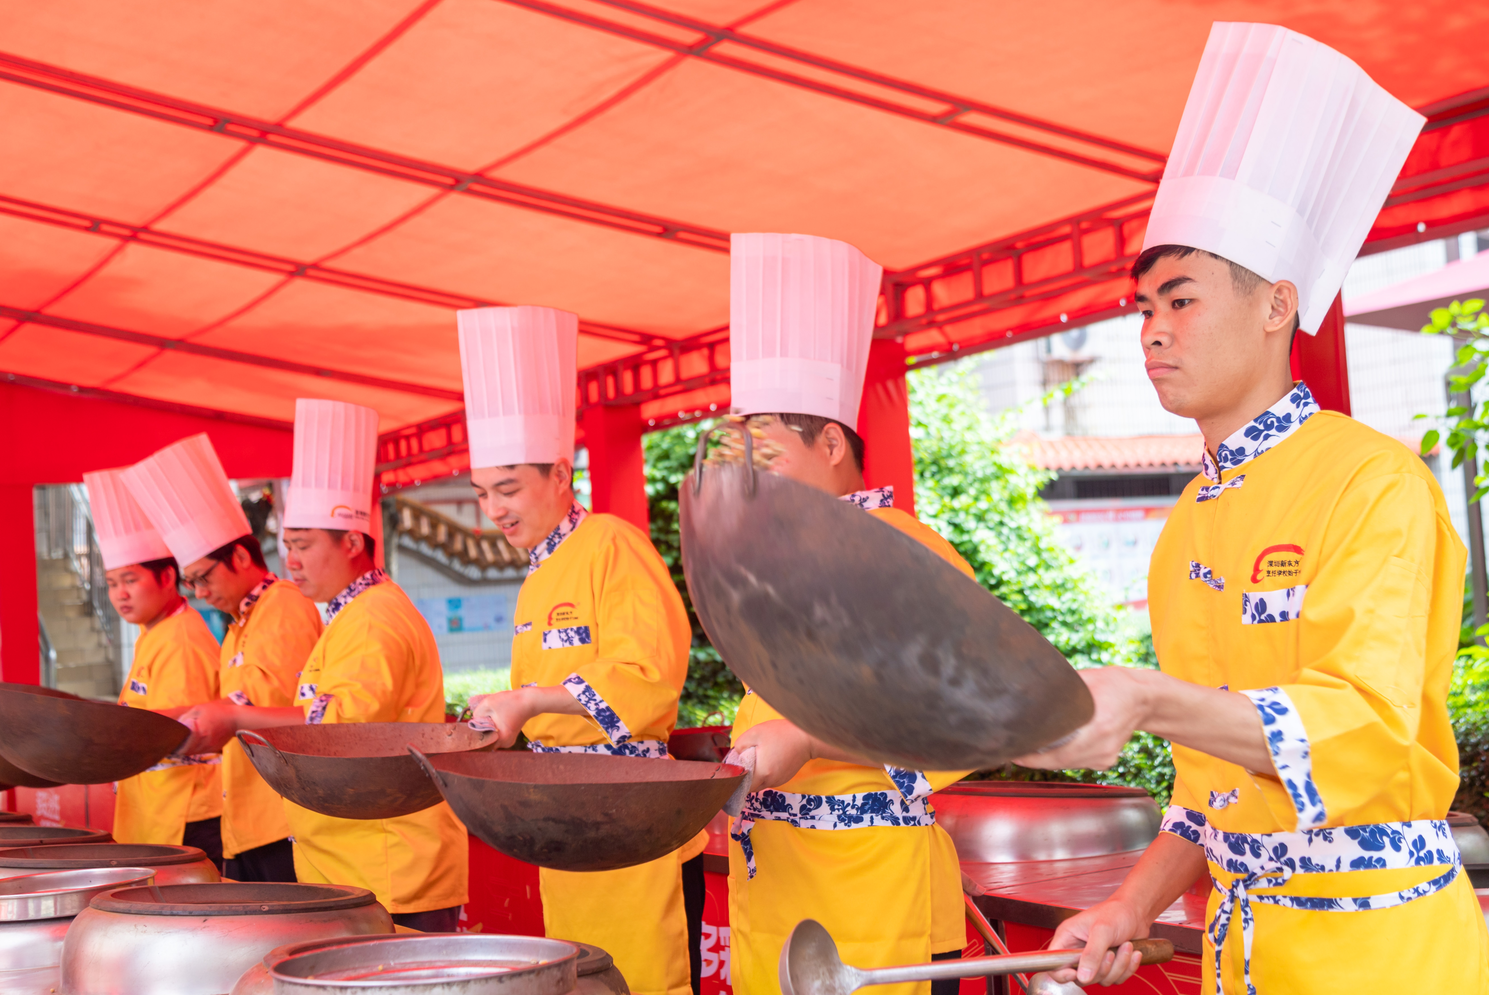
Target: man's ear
(563, 473)
(356, 543)
(1282, 306)
(836, 442)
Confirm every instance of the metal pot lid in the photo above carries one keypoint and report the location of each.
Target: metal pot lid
(1456, 819)
(862, 636)
(62, 894)
(1042, 789)
(14, 836)
(81, 855)
(232, 899)
(468, 963)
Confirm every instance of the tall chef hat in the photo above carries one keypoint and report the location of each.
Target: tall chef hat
(125, 535)
(335, 460)
(520, 365)
(801, 316)
(1284, 155)
(184, 491)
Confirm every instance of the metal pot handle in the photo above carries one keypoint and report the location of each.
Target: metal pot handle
(244, 734)
(429, 770)
(749, 444)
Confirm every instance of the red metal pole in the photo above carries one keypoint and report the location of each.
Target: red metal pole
(617, 471)
(884, 423)
(1320, 361)
(20, 654)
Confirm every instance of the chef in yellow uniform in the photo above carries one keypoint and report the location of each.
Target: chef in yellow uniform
(376, 661)
(179, 800)
(871, 865)
(185, 492)
(1307, 588)
(600, 649)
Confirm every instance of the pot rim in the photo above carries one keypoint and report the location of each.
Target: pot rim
(282, 967)
(25, 856)
(232, 899)
(1042, 789)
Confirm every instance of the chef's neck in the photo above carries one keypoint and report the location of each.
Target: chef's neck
(172, 605)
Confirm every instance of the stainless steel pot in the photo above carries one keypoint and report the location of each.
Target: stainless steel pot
(197, 939)
(14, 835)
(595, 971)
(1008, 821)
(1473, 843)
(35, 911)
(171, 864)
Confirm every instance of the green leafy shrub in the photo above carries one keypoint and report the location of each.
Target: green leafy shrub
(462, 685)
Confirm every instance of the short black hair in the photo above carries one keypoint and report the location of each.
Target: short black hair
(811, 426)
(1244, 280)
(369, 544)
(160, 566)
(224, 554)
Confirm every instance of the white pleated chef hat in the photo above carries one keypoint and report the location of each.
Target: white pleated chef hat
(125, 534)
(186, 494)
(520, 365)
(801, 318)
(1284, 155)
(335, 462)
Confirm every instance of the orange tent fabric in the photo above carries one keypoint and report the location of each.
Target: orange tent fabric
(229, 205)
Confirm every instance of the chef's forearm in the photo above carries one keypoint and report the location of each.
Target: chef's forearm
(248, 717)
(550, 701)
(1223, 724)
(1165, 871)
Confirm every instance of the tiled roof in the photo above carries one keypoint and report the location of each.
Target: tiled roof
(1156, 453)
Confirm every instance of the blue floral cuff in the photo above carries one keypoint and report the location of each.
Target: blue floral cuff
(238, 698)
(317, 713)
(605, 716)
(1287, 741)
(1185, 823)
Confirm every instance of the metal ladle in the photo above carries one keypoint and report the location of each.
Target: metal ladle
(810, 964)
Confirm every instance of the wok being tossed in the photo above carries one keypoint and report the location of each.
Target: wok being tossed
(860, 635)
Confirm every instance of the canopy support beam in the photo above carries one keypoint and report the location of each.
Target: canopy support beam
(617, 468)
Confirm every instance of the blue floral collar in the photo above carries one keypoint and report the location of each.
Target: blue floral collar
(371, 578)
(872, 499)
(1262, 432)
(251, 598)
(561, 531)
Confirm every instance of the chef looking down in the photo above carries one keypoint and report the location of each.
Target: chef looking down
(179, 800)
(600, 646)
(825, 834)
(186, 494)
(1306, 591)
(376, 661)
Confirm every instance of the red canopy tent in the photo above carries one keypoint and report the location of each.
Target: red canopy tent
(207, 210)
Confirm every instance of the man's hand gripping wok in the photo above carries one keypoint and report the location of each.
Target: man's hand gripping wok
(1223, 724)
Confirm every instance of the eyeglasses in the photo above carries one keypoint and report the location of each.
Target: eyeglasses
(198, 582)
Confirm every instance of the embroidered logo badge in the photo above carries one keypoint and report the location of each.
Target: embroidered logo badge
(562, 614)
(1278, 563)
(138, 687)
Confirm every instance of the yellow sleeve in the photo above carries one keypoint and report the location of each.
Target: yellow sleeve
(642, 651)
(1343, 732)
(281, 643)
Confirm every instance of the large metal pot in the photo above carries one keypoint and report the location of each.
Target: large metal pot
(11, 835)
(197, 939)
(35, 911)
(1008, 821)
(439, 964)
(171, 864)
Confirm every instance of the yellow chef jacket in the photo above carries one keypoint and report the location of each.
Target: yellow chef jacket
(377, 661)
(175, 664)
(262, 655)
(1314, 568)
(888, 894)
(600, 616)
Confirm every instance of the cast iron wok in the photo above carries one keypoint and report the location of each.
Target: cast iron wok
(70, 740)
(357, 770)
(861, 635)
(581, 811)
